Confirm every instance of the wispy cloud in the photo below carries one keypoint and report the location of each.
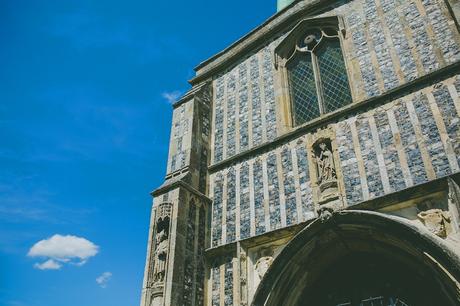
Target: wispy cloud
(172, 96)
(50, 264)
(103, 279)
(59, 250)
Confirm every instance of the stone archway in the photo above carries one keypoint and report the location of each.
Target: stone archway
(356, 256)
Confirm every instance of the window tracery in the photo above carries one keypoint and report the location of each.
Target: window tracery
(314, 71)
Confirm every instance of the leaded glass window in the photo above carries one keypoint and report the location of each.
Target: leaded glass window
(317, 76)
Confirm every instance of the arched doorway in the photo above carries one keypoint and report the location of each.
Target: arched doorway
(362, 258)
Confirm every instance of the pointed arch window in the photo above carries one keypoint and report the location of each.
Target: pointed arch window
(315, 73)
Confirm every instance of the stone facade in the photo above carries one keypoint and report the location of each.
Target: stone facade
(243, 181)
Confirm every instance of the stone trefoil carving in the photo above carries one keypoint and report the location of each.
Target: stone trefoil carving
(436, 221)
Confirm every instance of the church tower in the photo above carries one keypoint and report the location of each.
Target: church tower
(316, 161)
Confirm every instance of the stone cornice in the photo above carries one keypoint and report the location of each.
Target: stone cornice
(344, 112)
(176, 184)
(257, 37)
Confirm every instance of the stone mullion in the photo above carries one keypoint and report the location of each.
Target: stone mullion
(431, 33)
(410, 41)
(250, 110)
(421, 143)
(281, 194)
(236, 282)
(454, 94)
(399, 148)
(243, 277)
(237, 109)
(352, 64)
(214, 121)
(252, 198)
(222, 284)
(195, 253)
(224, 208)
(417, 33)
(171, 256)
(377, 33)
(225, 118)
(394, 56)
(266, 195)
(374, 59)
(450, 153)
(208, 286)
(357, 48)
(359, 158)
(151, 252)
(298, 198)
(237, 202)
(380, 157)
(263, 110)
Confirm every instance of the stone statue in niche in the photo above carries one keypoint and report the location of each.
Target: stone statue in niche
(161, 242)
(436, 221)
(263, 264)
(325, 163)
(326, 175)
(161, 253)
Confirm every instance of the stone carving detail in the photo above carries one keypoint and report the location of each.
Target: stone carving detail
(325, 171)
(263, 264)
(436, 221)
(161, 242)
(325, 163)
(325, 213)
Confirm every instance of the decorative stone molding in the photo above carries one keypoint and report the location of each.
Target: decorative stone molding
(306, 40)
(299, 38)
(324, 172)
(161, 246)
(243, 277)
(263, 264)
(436, 221)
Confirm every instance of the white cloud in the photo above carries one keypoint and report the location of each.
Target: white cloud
(60, 249)
(103, 279)
(172, 96)
(50, 264)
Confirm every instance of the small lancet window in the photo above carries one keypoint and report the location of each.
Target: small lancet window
(317, 76)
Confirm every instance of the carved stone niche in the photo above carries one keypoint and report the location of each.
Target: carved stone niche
(162, 224)
(326, 173)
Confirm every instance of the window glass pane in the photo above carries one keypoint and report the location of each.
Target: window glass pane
(333, 75)
(303, 89)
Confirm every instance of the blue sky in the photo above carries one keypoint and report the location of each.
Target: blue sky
(84, 128)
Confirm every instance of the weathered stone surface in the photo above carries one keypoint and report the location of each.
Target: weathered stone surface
(236, 145)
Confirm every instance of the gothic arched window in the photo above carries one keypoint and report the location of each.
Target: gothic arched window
(314, 79)
(317, 76)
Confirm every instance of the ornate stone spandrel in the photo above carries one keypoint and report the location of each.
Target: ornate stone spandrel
(436, 221)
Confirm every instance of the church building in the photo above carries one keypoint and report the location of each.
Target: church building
(316, 162)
